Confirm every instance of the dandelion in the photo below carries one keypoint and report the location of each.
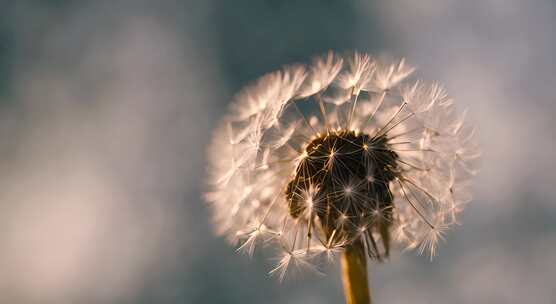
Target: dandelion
(345, 157)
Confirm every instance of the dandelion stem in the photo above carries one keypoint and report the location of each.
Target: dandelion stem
(354, 274)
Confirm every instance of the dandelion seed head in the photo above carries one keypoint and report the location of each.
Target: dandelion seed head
(345, 150)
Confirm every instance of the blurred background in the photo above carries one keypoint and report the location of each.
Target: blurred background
(106, 109)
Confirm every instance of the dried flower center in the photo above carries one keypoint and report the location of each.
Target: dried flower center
(344, 182)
